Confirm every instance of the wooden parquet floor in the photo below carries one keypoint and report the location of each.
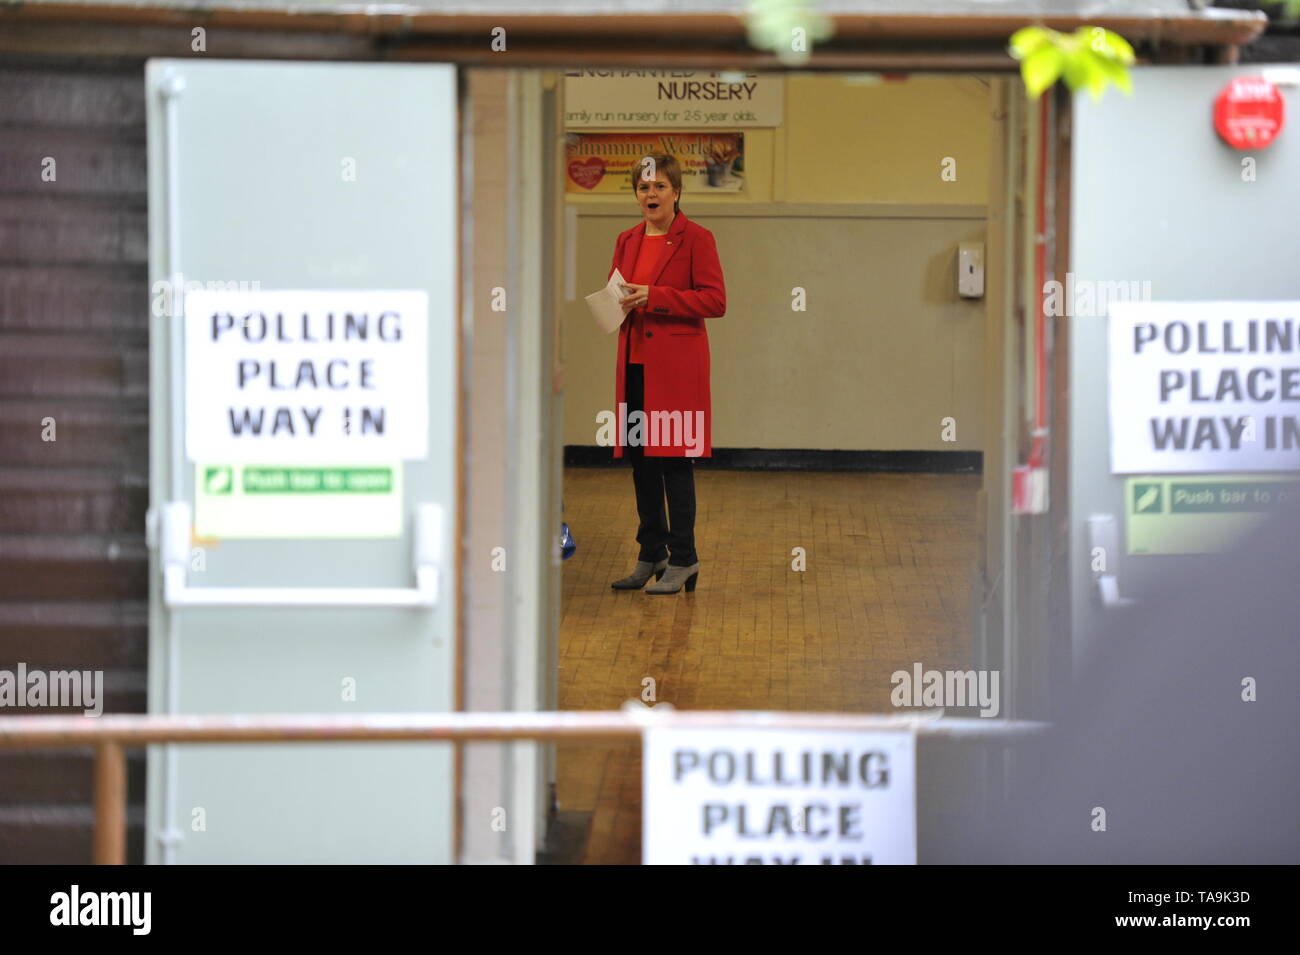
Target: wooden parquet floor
(889, 559)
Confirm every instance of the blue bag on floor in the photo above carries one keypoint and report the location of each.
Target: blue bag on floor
(567, 546)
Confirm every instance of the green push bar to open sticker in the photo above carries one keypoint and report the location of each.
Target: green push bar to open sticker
(257, 480)
(287, 502)
(1199, 515)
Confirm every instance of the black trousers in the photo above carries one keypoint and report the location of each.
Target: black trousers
(660, 535)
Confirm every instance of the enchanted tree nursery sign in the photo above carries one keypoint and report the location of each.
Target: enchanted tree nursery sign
(613, 98)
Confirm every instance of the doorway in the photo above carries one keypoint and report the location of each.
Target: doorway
(841, 523)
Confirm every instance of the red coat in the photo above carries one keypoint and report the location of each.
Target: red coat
(687, 288)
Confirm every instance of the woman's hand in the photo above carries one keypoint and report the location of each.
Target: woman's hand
(637, 296)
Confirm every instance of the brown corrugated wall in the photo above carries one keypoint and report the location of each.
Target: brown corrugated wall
(74, 350)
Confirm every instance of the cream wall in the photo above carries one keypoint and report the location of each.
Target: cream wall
(886, 142)
(845, 200)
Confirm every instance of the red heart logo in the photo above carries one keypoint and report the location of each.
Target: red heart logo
(587, 173)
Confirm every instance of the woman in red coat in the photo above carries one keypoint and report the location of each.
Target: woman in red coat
(673, 282)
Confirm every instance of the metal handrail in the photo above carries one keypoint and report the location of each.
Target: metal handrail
(110, 735)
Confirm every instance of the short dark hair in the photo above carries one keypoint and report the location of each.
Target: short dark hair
(660, 162)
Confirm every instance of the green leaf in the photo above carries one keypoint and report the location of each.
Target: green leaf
(1121, 49)
(1075, 73)
(1115, 72)
(771, 25)
(1041, 68)
(1090, 58)
(1027, 40)
(1105, 43)
(1095, 70)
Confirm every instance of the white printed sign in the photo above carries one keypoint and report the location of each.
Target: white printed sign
(650, 99)
(779, 797)
(306, 376)
(1204, 387)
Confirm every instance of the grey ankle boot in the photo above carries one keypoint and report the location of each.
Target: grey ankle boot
(644, 571)
(675, 578)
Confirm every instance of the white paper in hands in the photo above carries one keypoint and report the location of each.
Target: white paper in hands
(604, 304)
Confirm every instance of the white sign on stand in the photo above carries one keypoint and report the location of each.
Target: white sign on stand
(779, 797)
(306, 376)
(1204, 387)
